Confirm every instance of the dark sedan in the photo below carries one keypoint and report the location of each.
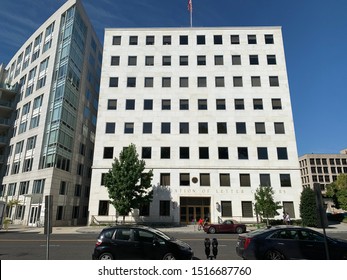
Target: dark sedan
(227, 226)
(289, 242)
(139, 243)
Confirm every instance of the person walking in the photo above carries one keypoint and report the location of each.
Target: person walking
(287, 219)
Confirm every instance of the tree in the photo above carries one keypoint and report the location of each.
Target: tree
(338, 191)
(127, 184)
(265, 205)
(308, 207)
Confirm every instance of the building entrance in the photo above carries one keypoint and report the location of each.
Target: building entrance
(34, 215)
(194, 208)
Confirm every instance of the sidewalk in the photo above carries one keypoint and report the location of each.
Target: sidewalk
(342, 227)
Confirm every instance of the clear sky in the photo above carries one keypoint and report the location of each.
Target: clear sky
(314, 33)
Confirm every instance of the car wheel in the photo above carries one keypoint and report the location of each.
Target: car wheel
(212, 230)
(169, 257)
(106, 256)
(274, 255)
(239, 230)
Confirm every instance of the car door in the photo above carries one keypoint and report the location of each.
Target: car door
(285, 241)
(312, 245)
(151, 246)
(227, 226)
(124, 245)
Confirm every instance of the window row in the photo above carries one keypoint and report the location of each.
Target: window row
(201, 128)
(324, 161)
(234, 39)
(201, 60)
(242, 153)
(200, 82)
(202, 104)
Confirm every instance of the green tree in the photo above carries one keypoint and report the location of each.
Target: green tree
(128, 185)
(308, 208)
(265, 205)
(338, 191)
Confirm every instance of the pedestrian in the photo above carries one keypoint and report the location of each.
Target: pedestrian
(201, 223)
(287, 219)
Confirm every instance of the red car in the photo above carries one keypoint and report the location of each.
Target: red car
(227, 226)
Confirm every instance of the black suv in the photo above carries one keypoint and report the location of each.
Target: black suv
(139, 243)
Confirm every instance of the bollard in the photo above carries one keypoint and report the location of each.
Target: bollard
(214, 247)
(207, 244)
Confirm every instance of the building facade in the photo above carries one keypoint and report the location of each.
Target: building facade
(209, 111)
(51, 143)
(323, 169)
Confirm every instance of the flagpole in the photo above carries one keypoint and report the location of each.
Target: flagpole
(190, 9)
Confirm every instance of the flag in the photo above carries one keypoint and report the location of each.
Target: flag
(190, 5)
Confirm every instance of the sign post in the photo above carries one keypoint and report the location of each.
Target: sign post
(48, 221)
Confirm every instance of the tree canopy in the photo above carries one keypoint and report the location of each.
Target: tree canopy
(128, 185)
(338, 191)
(308, 207)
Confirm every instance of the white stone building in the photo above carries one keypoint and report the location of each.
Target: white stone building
(209, 111)
(51, 143)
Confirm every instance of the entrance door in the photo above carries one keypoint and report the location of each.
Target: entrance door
(194, 208)
(34, 215)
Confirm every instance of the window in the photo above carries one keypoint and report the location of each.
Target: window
(285, 180)
(271, 59)
(166, 60)
(129, 128)
(252, 39)
(205, 180)
(269, 39)
(108, 152)
(166, 82)
(219, 81)
(78, 189)
(183, 40)
(274, 81)
(184, 128)
(242, 153)
(148, 82)
(183, 60)
(131, 82)
(115, 60)
(282, 153)
(253, 60)
(148, 104)
(247, 209)
(149, 40)
(221, 127)
(166, 40)
(23, 187)
(130, 104)
(183, 81)
(202, 104)
(262, 153)
(220, 104)
(202, 82)
(147, 128)
(165, 128)
(264, 180)
(257, 104)
(239, 104)
(255, 80)
(110, 127)
(200, 40)
(164, 208)
(165, 179)
(241, 128)
(203, 153)
(218, 39)
(146, 152)
(184, 152)
(149, 60)
(276, 104)
(184, 104)
(60, 213)
(113, 82)
(237, 81)
(203, 127)
(166, 104)
(133, 40)
(184, 179)
(165, 152)
(245, 180)
(38, 186)
(236, 59)
(103, 207)
(218, 60)
(224, 180)
(116, 40)
(226, 208)
(279, 128)
(235, 39)
(223, 153)
(260, 128)
(201, 60)
(132, 60)
(112, 104)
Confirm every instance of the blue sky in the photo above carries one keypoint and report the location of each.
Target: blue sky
(314, 33)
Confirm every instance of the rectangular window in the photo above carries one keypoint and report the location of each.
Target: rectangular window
(148, 82)
(166, 40)
(226, 209)
(112, 104)
(131, 82)
(184, 82)
(247, 209)
(183, 60)
(165, 179)
(166, 60)
(147, 128)
(253, 60)
(200, 40)
(262, 153)
(237, 81)
(264, 180)
(255, 80)
(184, 152)
(260, 128)
(115, 60)
(133, 40)
(220, 104)
(274, 81)
(224, 180)
(241, 128)
(166, 104)
(165, 128)
(183, 40)
(239, 104)
(219, 81)
(164, 208)
(203, 153)
(60, 213)
(223, 153)
(276, 104)
(235, 39)
(285, 180)
(288, 207)
(218, 60)
(201, 60)
(202, 82)
(149, 60)
(271, 59)
(184, 128)
(129, 128)
(184, 179)
(221, 127)
(132, 60)
(113, 82)
(252, 39)
(148, 104)
(149, 40)
(203, 127)
(78, 190)
(63, 188)
(269, 39)
(245, 180)
(257, 104)
(242, 152)
(23, 187)
(166, 82)
(165, 152)
(103, 207)
(236, 59)
(205, 180)
(108, 152)
(282, 153)
(130, 104)
(116, 40)
(202, 104)
(38, 186)
(218, 39)
(184, 104)
(146, 152)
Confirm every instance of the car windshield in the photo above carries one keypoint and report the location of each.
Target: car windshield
(162, 234)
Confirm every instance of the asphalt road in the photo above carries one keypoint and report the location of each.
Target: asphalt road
(33, 246)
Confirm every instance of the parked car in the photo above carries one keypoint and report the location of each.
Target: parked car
(139, 243)
(289, 242)
(227, 226)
